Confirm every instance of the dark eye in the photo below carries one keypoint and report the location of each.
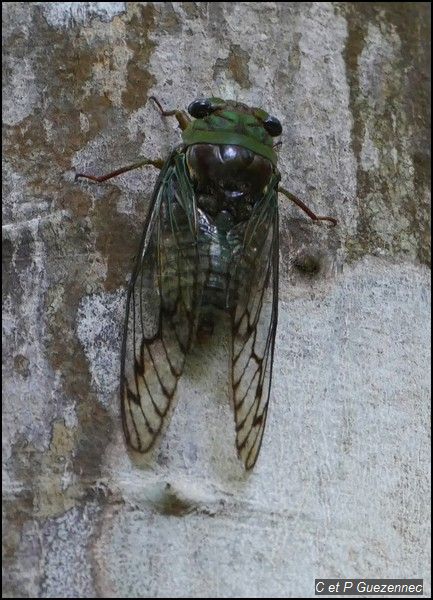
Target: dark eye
(200, 108)
(273, 126)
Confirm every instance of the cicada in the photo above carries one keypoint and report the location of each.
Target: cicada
(209, 247)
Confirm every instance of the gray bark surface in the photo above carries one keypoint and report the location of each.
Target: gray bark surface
(341, 488)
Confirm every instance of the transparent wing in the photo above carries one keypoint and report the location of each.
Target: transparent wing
(254, 322)
(162, 307)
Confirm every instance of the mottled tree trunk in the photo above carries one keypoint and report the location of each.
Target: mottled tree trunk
(341, 485)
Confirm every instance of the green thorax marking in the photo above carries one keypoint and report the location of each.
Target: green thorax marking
(231, 127)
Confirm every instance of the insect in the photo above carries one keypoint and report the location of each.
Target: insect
(209, 247)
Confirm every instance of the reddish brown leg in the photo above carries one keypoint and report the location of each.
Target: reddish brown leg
(305, 208)
(158, 163)
(181, 116)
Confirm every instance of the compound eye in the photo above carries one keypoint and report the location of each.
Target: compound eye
(273, 126)
(201, 108)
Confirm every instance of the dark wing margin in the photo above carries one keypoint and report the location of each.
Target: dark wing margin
(162, 307)
(253, 325)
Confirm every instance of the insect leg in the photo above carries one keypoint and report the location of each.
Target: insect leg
(158, 163)
(305, 208)
(181, 116)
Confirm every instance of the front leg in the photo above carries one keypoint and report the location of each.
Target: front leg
(181, 116)
(305, 208)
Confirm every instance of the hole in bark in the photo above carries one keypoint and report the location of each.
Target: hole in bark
(308, 265)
